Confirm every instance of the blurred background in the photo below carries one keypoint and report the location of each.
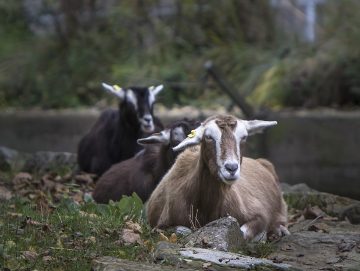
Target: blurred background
(278, 53)
(295, 61)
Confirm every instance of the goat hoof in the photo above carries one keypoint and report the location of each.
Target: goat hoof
(282, 231)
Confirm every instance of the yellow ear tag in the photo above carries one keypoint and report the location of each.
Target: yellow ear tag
(116, 87)
(192, 134)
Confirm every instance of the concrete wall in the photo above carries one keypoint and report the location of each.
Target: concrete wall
(318, 148)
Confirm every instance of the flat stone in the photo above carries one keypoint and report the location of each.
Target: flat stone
(220, 260)
(116, 264)
(335, 249)
(223, 234)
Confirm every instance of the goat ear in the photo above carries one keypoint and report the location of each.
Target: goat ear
(193, 138)
(257, 126)
(156, 90)
(158, 138)
(115, 90)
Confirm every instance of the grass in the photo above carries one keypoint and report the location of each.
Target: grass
(52, 223)
(69, 236)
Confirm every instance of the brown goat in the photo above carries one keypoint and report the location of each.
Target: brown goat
(143, 172)
(213, 180)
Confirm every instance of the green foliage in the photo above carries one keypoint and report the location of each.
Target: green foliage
(129, 47)
(132, 45)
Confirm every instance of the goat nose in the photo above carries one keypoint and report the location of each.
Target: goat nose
(231, 167)
(147, 118)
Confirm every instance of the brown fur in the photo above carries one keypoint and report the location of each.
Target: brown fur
(269, 166)
(141, 173)
(190, 187)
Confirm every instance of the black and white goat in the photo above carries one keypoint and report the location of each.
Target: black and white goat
(113, 138)
(142, 173)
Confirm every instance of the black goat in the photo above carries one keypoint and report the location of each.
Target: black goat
(113, 137)
(142, 173)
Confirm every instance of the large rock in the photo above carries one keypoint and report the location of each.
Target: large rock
(116, 264)
(320, 245)
(44, 161)
(39, 162)
(218, 260)
(223, 234)
(300, 196)
(10, 159)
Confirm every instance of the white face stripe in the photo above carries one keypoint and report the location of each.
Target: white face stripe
(151, 98)
(131, 97)
(240, 134)
(214, 132)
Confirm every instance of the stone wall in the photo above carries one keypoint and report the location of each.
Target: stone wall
(319, 148)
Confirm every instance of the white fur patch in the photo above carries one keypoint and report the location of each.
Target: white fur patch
(131, 97)
(245, 231)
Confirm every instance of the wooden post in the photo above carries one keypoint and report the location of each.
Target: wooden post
(229, 90)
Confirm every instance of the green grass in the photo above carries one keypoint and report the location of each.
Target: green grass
(68, 236)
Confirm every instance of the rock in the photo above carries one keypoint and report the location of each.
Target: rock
(42, 162)
(182, 231)
(196, 257)
(116, 264)
(223, 234)
(10, 159)
(351, 213)
(336, 248)
(300, 197)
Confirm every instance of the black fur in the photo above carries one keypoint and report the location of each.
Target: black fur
(142, 173)
(113, 137)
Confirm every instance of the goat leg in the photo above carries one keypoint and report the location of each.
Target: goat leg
(253, 228)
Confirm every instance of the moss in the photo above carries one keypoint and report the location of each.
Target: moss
(302, 200)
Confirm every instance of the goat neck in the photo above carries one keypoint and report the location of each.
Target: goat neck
(208, 193)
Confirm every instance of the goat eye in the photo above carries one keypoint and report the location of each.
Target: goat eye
(209, 138)
(244, 138)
